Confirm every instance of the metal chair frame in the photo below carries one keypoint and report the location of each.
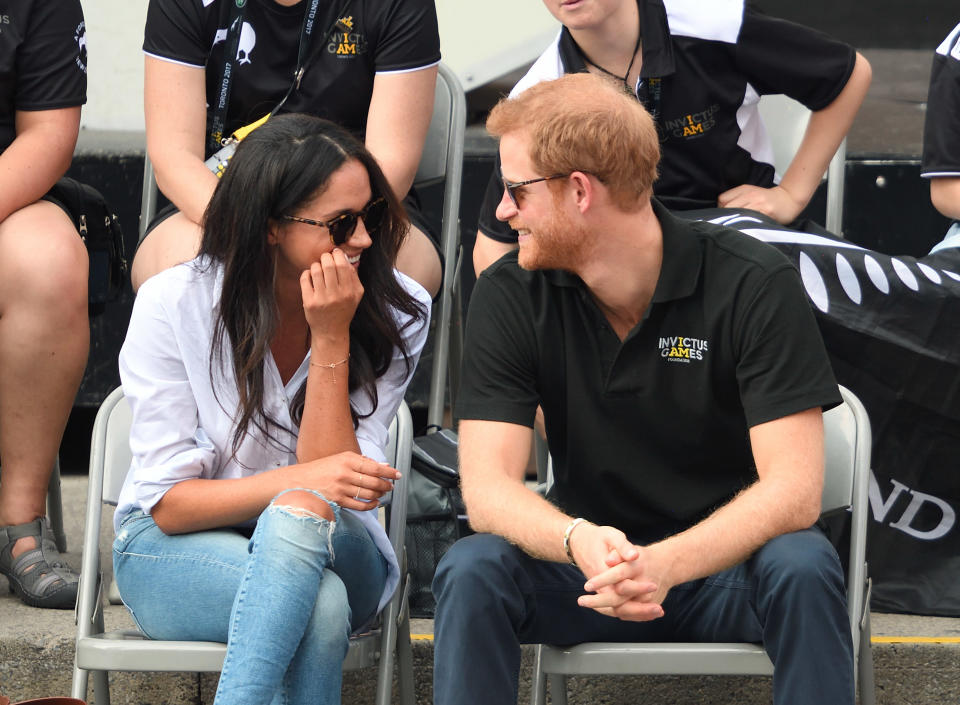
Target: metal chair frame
(848, 444)
(128, 650)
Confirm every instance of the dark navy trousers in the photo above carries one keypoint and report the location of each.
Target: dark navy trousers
(789, 596)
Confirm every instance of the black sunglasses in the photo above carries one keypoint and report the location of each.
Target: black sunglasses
(343, 226)
(511, 186)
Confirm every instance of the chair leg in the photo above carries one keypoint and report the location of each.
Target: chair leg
(79, 688)
(558, 689)
(868, 691)
(405, 678)
(101, 688)
(55, 508)
(538, 679)
(385, 666)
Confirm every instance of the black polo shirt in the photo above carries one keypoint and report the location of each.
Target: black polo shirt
(649, 435)
(705, 66)
(43, 59)
(941, 132)
(369, 37)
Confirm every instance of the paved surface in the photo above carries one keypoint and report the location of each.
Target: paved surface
(917, 658)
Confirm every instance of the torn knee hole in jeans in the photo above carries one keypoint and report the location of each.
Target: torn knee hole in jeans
(301, 513)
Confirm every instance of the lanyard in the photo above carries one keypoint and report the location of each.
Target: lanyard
(650, 99)
(218, 124)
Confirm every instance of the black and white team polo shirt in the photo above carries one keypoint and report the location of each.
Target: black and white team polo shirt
(649, 434)
(43, 59)
(705, 66)
(357, 40)
(941, 132)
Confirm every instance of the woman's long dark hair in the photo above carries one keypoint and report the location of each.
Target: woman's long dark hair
(278, 168)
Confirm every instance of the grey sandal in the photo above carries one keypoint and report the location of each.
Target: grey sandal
(39, 577)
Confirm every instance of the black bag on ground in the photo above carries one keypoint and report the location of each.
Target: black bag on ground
(99, 228)
(436, 517)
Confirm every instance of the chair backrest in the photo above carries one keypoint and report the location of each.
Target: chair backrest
(110, 448)
(840, 450)
(443, 158)
(848, 441)
(786, 121)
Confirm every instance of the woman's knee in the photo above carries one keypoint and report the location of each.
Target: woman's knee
(175, 240)
(48, 268)
(303, 502)
(418, 259)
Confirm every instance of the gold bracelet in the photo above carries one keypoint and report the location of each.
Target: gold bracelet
(566, 538)
(332, 365)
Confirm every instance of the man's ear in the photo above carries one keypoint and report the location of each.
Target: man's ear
(583, 190)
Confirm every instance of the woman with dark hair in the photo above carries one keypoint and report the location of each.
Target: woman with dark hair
(262, 377)
(213, 67)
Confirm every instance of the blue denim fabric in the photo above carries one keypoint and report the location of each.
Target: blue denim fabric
(951, 239)
(284, 601)
(789, 596)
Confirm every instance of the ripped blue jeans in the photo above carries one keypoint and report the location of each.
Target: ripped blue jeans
(285, 601)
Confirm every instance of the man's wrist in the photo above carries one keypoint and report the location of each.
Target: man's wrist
(567, 533)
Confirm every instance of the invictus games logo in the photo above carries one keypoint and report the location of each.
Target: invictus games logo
(80, 37)
(693, 124)
(680, 348)
(344, 41)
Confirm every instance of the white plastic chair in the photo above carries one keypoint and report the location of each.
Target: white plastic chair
(847, 446)
(442, 160)
(128, 650)
(786, 120)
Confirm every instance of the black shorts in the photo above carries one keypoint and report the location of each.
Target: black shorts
(48, 196)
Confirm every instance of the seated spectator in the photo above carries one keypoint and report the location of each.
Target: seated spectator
(682, 379)
(369, 67)
(941, 135)
(700, 69)
(257, 374)
(44, 329)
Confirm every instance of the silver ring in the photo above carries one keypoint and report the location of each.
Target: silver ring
(357, 496)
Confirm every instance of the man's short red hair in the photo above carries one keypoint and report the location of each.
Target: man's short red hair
(583, 122)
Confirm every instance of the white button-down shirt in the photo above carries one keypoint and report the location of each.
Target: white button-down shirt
(183, 417)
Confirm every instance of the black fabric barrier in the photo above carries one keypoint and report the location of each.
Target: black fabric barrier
(892, 327)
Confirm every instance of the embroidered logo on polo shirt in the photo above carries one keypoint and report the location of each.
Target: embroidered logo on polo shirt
(4, 19)
(80, 37)
(680, 348)
(344, 41)
(693, 124)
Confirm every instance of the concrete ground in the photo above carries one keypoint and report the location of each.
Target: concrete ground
(917, 659)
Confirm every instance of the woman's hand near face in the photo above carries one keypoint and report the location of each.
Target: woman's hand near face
(331, 292)
(351, 480)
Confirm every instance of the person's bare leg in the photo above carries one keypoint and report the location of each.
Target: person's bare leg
(44, 341)
(175, 240)
(418, 260)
